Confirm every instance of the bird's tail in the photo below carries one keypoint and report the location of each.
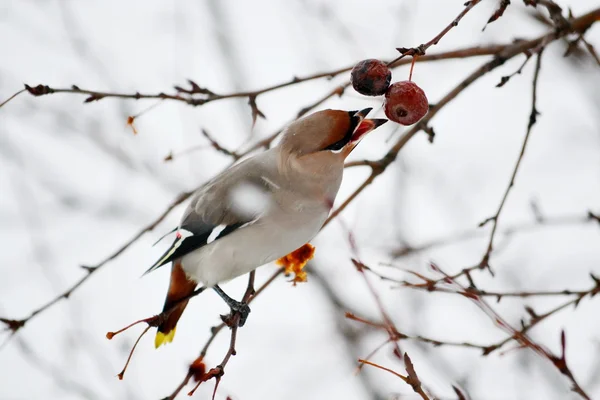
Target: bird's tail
(179, 288)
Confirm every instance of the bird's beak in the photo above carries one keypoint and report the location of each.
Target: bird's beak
(364, 127)
(363, 113)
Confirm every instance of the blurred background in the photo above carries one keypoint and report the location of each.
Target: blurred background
(76, 184)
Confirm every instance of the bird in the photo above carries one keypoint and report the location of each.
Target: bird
(259, 210)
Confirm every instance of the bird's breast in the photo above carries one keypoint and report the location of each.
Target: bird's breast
(269, 238)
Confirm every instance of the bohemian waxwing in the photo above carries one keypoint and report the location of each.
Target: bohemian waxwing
(260, 209)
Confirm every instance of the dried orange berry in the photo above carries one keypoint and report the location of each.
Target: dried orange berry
(295, 262)
(198, 369)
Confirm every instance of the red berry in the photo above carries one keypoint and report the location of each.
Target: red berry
(405, 103)
(371, 77)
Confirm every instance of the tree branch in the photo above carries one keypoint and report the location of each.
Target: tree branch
(532, 120)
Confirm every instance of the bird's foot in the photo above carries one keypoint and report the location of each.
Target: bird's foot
(237, 308)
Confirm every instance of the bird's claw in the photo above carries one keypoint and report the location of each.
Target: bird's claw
(244, 311)
(240, 308)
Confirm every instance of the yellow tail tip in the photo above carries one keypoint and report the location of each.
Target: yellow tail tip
(164, 338)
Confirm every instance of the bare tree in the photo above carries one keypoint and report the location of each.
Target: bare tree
(396, 282)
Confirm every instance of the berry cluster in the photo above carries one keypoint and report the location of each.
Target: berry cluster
(405, 102)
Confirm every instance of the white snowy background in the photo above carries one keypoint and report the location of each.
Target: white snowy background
(75, 184)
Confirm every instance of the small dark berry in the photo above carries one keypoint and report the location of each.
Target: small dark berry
(405, 103)
(371, 77)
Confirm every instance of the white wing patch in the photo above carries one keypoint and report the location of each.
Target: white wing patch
(218, 229)
(215, 233)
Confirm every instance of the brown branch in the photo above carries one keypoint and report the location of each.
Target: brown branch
(171, 156)
(187, 96)
(532, 120)
(520, 336)
(432, 285)
(378, 167)
(213, 144)
(218, 371)
(504, 80)
(572, 46)
(536, 319)
(412, 379)
(218, 147)
(94, 95)
(589, 48)
(404, 378)
(388, 323)
(422, 49)
(12, 97)
(486, 349)
(577, 25)
(232, 321)
(499, 295)
(398, 336)
(502, 6)
(338, 90)
(555, 12)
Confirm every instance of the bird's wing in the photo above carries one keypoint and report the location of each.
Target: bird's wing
(234, 199)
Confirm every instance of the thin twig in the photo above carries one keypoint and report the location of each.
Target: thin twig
(520, 336)
(532, 120)
(388, 323)
(12, 97)
(504, 80)
(499, 295)
(591, 50)
(412, 379)
(404, 378)
(453, 54)
(422, 49)
(94, 95)
(577, 25)
(218, 147)
(249, 296)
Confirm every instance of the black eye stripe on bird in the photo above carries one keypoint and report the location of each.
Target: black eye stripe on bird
(217, 241)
